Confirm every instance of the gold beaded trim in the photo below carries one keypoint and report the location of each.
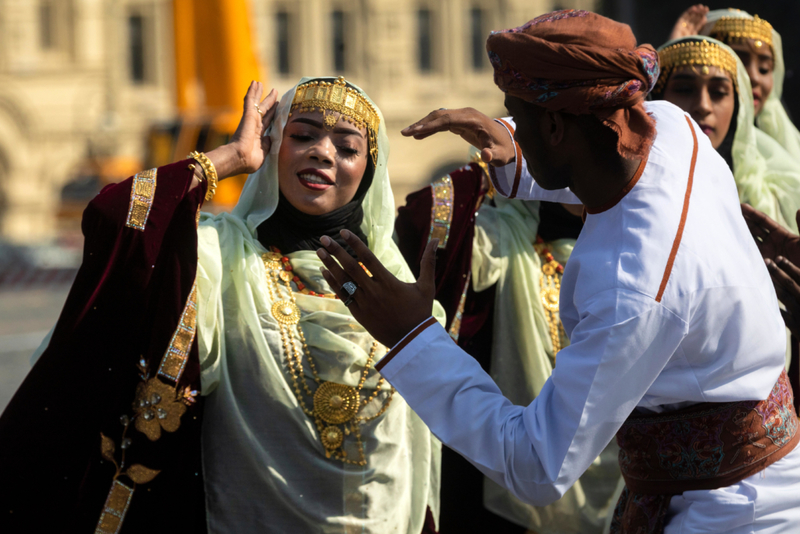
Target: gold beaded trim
(210, 172)
(117, 503)
(177, 354)
(337, 97)
(694, 53)
(143, 190)
(455, 326)
(735, 28)
(442, 210)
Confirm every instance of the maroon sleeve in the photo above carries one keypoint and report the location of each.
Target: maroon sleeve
(454, 256)
(128, 304)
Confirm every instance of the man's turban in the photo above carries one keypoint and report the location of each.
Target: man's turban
(580, 62)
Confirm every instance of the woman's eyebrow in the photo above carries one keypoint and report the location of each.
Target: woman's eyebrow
(317, 124)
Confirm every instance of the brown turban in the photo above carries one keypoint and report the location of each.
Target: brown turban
(580, 62)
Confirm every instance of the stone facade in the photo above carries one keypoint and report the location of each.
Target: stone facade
(85, 79)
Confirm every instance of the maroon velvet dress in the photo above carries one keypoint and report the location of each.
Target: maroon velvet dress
(126, 327)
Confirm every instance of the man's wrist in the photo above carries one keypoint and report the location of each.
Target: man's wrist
(506, 152)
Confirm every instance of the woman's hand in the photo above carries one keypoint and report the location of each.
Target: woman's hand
(691, 22)
(247, 149)
(386, 307)
(482, 132)
(786, 279)
(773, 240)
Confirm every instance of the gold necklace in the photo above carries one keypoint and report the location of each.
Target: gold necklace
(335, 406)
(550, 294)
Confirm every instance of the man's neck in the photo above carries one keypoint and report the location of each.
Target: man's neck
(596, 184)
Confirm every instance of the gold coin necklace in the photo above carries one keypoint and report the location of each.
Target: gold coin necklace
(549, 293)
(336, 407)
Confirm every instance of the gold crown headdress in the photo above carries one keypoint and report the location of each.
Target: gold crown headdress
(694, 53)
(734, 28)
(336, 97)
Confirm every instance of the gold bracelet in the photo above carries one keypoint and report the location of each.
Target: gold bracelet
(209, 170)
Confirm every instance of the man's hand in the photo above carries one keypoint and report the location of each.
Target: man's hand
(482, 132)
(386, 307)
(773, 240)
(786, 279)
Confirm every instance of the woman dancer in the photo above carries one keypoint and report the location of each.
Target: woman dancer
(760, 48)
(706, 78)
(299, 433)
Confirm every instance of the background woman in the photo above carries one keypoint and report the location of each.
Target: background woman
(498, 272)
(760, 48)
(299, 433)
(706, 78)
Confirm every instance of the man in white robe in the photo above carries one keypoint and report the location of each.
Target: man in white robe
(677, 343)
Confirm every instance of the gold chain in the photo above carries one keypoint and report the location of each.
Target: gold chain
(335, 406)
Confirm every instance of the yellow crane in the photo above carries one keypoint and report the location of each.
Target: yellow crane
(215, 61)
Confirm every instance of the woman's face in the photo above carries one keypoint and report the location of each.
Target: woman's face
(707, 94)
(759, 63)
(319, 170)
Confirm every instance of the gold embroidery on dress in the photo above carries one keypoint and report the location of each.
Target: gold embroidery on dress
(455, 326)
(442, 210)
(177, 354)
(157, 406)
(117, 502)
(143, 191)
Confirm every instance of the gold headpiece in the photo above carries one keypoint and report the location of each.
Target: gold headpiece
(694, 53)
(730, 28)
(337, 97)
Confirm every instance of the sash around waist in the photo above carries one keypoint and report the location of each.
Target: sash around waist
(709, 445)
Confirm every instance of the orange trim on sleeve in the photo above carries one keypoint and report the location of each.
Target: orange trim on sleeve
(685, 211)
(404, 342)
(518, 155)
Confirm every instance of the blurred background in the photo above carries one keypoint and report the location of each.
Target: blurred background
(93, 91)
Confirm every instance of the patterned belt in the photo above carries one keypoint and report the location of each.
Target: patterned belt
(703, 447)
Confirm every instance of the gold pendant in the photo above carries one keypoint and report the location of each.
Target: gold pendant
(336, 403)
(286, 276)
(549, 298)
(332, 438)
(330, 120)
(286, 312)
(272, 260)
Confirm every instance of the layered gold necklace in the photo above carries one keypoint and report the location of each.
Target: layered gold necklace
(336, 407)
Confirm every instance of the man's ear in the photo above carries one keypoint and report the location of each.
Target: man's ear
(554, 124)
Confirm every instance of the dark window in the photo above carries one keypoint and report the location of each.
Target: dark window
(477, 39)
(282, 34)
(136, 46)
(338, 22)
(424, 59)
(47, 38)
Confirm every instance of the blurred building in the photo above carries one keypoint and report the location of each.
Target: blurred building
(82, 82)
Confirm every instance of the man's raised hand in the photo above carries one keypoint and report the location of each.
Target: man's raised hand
(482, 132)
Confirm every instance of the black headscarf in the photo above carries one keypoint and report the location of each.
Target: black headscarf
(290, 230)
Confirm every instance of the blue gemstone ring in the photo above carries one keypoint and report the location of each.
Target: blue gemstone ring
(349, 288)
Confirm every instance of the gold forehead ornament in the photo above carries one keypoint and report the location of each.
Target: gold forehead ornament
(696, 54)
(331, 98)
(729, 29)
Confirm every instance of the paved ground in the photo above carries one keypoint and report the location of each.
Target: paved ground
(26, 316)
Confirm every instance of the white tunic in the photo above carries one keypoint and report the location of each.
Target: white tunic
(716, 335)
